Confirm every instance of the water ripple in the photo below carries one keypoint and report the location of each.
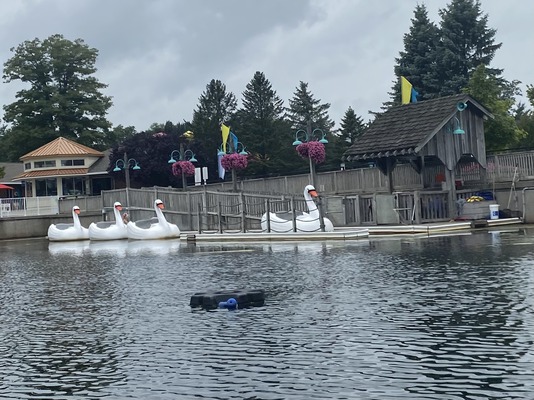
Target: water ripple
(435, 318)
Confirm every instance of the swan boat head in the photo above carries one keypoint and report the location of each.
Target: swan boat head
(154, 228)
(304, 222)
(109, 230)
(65, 232)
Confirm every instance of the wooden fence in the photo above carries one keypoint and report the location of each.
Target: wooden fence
(350, 197)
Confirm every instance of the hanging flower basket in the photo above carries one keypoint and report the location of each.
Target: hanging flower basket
(187, 167)
(314, 150)
(234, 161)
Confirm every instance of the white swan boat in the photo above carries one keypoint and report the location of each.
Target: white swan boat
(66, 232)
(305, 222)
(153, 228)
(109, 230)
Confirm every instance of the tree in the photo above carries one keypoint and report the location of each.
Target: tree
(120, 133)
(465, 43)
(525, 120)
(63, 98)
(308, 114)
(501, 132)
(352, 126)
(417, 59)
(152, 152)
(261, 127)
(216, 106)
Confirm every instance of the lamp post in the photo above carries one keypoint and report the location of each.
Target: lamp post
(233, 148)
(307, 136)
(126, 164)
(183, 155)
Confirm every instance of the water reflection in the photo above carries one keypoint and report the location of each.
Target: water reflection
(448, 317)
(75, 248)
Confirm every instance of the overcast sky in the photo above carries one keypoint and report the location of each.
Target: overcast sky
(157, 56)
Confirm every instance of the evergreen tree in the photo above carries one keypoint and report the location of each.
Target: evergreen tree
(308, 114)
(501, 132)
(417, 59)
(261, 127)
(216, 106)
(466, 42)
(352, 126)
(63, 98)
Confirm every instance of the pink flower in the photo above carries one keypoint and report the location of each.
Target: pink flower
(314, 150)
(234, 161)
(186, 166)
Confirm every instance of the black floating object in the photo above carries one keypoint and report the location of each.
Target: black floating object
(244, 298)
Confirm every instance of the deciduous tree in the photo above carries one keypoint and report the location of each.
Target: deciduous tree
(61, 98)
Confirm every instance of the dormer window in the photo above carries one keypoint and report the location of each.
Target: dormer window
(44, 164)
(70, 163)
(27, 165)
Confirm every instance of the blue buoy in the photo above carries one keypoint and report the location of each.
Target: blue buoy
(230, 304)
(243, 298)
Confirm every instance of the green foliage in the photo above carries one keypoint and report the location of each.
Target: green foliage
(216, 106)
(152, 151)
(466, 42)
(501, 132)
(260, 128)
(120, 133)
(62, 97)
(416, 61)
(438, 61)
(352, 126)
(525, 121)
(530, 94)
(307, 113)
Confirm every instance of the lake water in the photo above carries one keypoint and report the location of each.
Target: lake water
(448, 317)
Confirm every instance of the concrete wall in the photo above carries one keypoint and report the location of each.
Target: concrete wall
(37, 226)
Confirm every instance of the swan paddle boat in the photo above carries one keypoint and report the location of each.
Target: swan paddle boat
(153, 228)
(66, 232)
(305, 222)
(109, 230)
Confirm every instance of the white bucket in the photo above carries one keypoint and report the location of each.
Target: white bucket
(494, 211)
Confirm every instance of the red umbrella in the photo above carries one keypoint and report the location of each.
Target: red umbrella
(2, 186)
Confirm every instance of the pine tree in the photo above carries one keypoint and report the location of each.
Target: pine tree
(352, 126)
(417, 59)
(466, 42)
(309, 114)
(215, 107)
(260, 122)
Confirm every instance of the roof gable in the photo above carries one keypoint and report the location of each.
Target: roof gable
(404, 129)
(62, 147)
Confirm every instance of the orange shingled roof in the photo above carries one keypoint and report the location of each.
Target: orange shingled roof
(62, 147)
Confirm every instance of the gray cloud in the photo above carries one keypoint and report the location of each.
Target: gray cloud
(157, 56)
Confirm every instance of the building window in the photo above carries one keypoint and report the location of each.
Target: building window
(46, 187)
(73, 186)
(28, 165)
(44, 164)
(70, 163)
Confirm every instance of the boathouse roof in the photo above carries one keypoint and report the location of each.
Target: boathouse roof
(406, 129)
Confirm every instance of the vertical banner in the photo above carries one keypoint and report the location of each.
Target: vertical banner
(225, 131)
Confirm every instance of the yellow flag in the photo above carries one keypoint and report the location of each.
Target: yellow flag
(406, 90)
(225, 130)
